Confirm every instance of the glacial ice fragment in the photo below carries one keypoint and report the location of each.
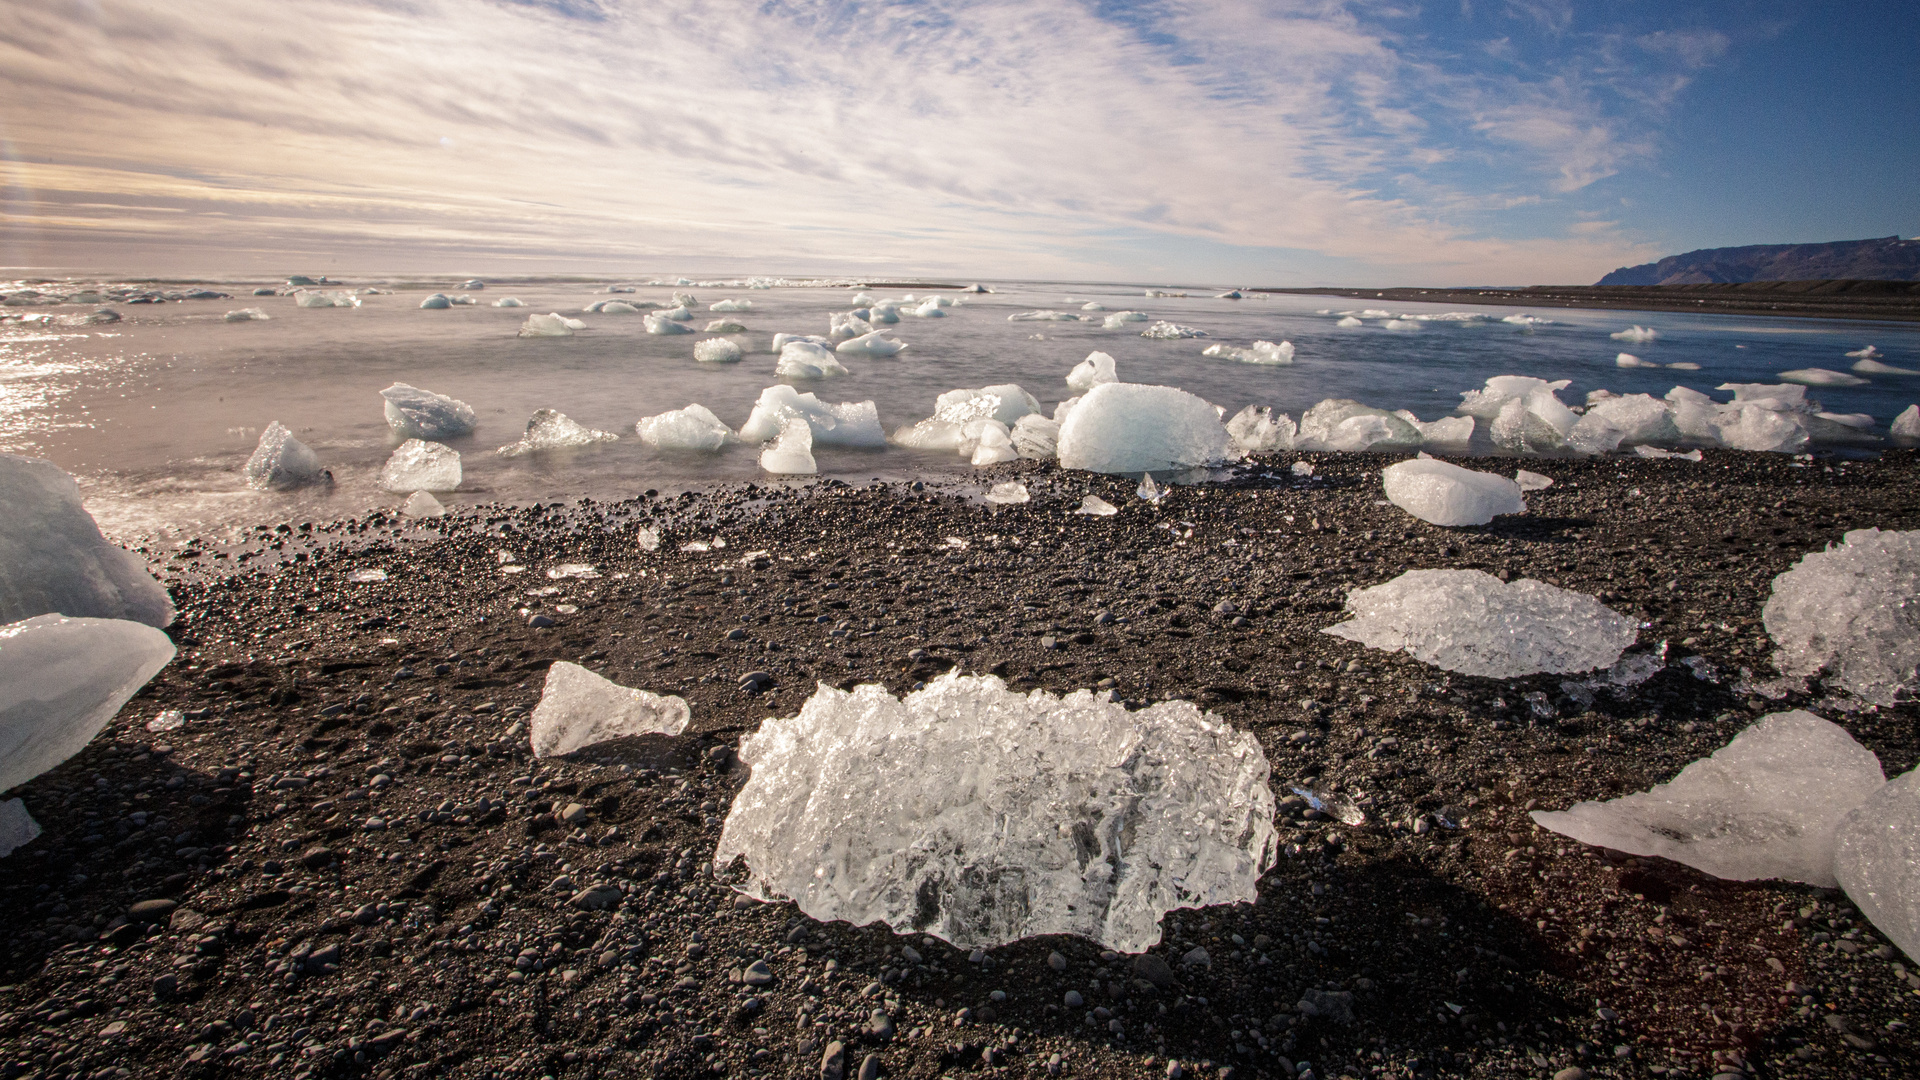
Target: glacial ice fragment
(1907, 424)
(1257, 429)
(1348, 322)
(550, 429)
(1121, 318)
(1097, 368)
(54, 560)
(1446, 494)
(665, 324)
(1149, 490)
(1853, 611)
(1448, 431)
(731, 305)
(1876, 858)
(326, 299)
(845, 324)
(1814, 376)
(692, 428)
(579, 708)
(805, 360)
(17, 827)
(716, 351)
(1171, 331)
(1131, 427)
(1538, 422)
(414, 413)
(61, 680)
(1042, 316)
(251, 314)
(871, 344)
(281, 462)
(436, 302)
(1095, 506)
(509, 301)
(1637, 334)
(1532, 481)
(722, 326)
(422, 504)
(791, 452)
(1766, 805)
(992, 442)
(418, 465)
(1008, 494)
(1487, 401)
(552, 324)
(1622, 420)
(1346, 425)
(982, 816)
(1036, 437)
(1628, 360)
(850, 423)
(1875, 367)
(1261, 352)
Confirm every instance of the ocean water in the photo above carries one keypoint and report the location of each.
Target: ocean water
(156, 414)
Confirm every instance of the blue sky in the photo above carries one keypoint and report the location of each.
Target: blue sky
(1206, 141)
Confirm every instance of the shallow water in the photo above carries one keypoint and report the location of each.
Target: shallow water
(157, 414)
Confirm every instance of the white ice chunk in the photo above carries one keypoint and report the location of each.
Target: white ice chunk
(1623, 420)
(692, 428)
(1400, 324)
(1121, 318)
(1149, 490)
(250, 314)
(1815, 376)
(1341, 424)
(1171, 331)
(806, 360)
(414, 413)
(1532, 481)
(1858, 421)
(326, 299)
(725, 326)
(665, 324)
(1656, 452)
(436, 302)
(845, 324)
(61, 680)
(871, 344)
(791, 453)
(417, 465)
(1907, 424)
(1472, 622)
(281, 462)
(1536, 423)
(1348, 322)
(17, 827)
(1628, 360)
(992, 442)
(509, 301)
(552, 324)
(1261, 352)
(716, 351)
(1093, 305)
(1487, 402)
(1130, 427)
(1454, 431)
(579, 708)
(1257, 429)
(1097, 368)
(550, 429)
(850, 423)
(1036, 437)
(53, 558)
(1445, 494)
(1043, 316)
(1876, 858)
(1095, 506)
(982, 816)
(1775, 396)
(1008, 494)
(1853, 611)
(1637, 334)
(1875, 367)
(929, 310)
(1867, 353)
(1766, 805)
(731, 305)
(422, 504)
(1759, 427)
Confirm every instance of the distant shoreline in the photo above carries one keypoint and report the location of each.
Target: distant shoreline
(1896, 301)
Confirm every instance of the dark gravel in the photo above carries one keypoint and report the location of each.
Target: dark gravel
(346, 864)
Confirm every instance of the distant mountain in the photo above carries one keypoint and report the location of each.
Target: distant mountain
(1886, 259)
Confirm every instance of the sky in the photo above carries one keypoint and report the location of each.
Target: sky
(1229, 142)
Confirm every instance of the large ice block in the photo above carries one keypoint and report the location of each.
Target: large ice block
(53, 558)
(61, 680)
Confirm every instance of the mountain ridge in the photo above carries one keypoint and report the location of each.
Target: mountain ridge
(1887, 258)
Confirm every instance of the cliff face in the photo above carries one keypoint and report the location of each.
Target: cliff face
(1887, 259)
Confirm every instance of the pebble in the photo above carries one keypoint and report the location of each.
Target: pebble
(1056, 961)
(1073, 1000)
(833, 1061)
(757, 974)
(152, 911)
(1571, 1072)
(870, 1067)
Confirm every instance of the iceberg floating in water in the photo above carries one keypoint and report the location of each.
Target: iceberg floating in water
(579, 708)
(550, 429)
(1766, 805)
(982, 816)
(251, 314)
(1121, 318)
(806, 360)
(552, 324)
(1628, 360)
(61, 680)
(716, 351)
(1006, 404)
(665, 325)
(1257, 429)
(53, 558)
(1875, 367)
(1472, 622)
(436, 302)
(1444, 494)
(326, 299)
(418, 465)
(845, 324)
(1348, 322)
(731, 305)
(1876, 859)
(1131, 427)
(871, 344)
(692, 428)
(414, 413)
(791, 452)
(1637, 334)
(1043, 316)
(281, 462)
(1097, 368)
(508, 301)
(1815, 376)
(1171, 331)
(850, 423)
(1907, 424)
(1260, 352)
(1851, 612)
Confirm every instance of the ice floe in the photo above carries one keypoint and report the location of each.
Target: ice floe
(850, 423)
(579, 708)
(716, 351)
(61, 680)
(281, 462)
(806, 360)
(552, 324)
(1260, 352)
(692, 428)
(1043, 316)
(418, 465)
(1875, 367)
(1628, 360)
(550, 429)
(1637, 334)
(1171, 331)
(1131, 427)
(509, 301)
(1814, 376)
(1348, 322)
(414, 413)
(871, 343)
(326, 298)
(1853, 612)
(1445, 494)
(436, 302)
(731, 305)
(666, 325)
(1121, 318)
(54, 560)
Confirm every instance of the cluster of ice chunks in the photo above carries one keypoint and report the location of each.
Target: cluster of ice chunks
(850, 423)
(552, 324)
(579, 708)
(1441, 493)
(418, 465)
(845, 324)
(53, 558)
(1257, 429)
(548, 429)
(1171, 331)
(716, 351)
(61, 680)
(692, 428)
(414, 413)
(1344, 425)
(963, 418)
(1131, 427)
(982, 816)
(791, 452)
(281, 462)
(1852, 611)
(1097, 368)
(1472, 622)
(807, 360)
(1261, 352)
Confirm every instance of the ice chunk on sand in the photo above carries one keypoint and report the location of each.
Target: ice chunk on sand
(1257, 429)
(281, 462)
(1487, 401)
(1760, 427)
(17, 827)
(509, 301)
(1261, 352)
(1444, 494)
(414, 413)
(1341, 424)
(250, 314)
(61, 680)
(1875, 367)
(1036, 437)
(692, 428)
(418, 465)
(422, 504)
(982, 816)
(731, 305)
(1656, 452)
(992, 442)
(551, 324)
(791, 453)
(1348, 322)
(1456, 431)
(1815, 376)
(53, 558)
(871, 344)
(1171, 331)
(1121, 318)
(436, 302)
(1149, 490)
(1008, 494)
(1095, 506)
(1907, 424)
(1637, 334)
(1130, 427)
(1536, 423)
(1097, 368)
(579, 708)
(1876, 858)
(716, 351)
(1628, 360)
(1532, 481)
(1472, 622)
(805, 360)
(663, 324)
(550, 429)
(850, 423)
(1853, 611)
(1623, 420)
(1766, 805)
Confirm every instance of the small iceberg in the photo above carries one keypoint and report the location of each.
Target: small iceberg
(806, 360)
(692, 428)
(418, 465)
(716, 351)
(1445, 494)
(414, 413)
(664, 325)
(508, 301)
(550, 429)
(725, 326)
(281, 462)
(1171, 331)
(871, 344)
(1132, 428)
(61, 680)
(550, 325)
(1097, 368)
(791, 452)
(250, 314)
(436, 302)
(1875, 367)
(1637, 334)
(731, 305)
(1121, 318)
(1821, 377)
(1261, 352)
(850, 423)
(1628, 360)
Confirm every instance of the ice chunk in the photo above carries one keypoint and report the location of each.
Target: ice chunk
(1095, 506)
(1622, 420)
(725, 326)
(1536, 423)
(844, 324)
(281, 462)
(780, 341)
(436, 302)
(1130, 427)
(1261, 352)
(1093, 305)
(578, 708)
(716, 351)
(1171, 331)
(551, 324)
(1532, 481)
(1097, 368)
(944, 430)
(1867, 353)
(550, 429)
(1637, 334)
(871, 344)
(1348, 322)
(1775, 396)
(326, 299)
(1257, 429)
(251, 314)
(1875, 367)
(791, 453)
(1472, 622)
(883, 314)
(1487, 402)
(929, 310)
(647, 538)
(417, 465)
(805, 360)
(1456, 431)
(413, 413)
(692, 428)
(850, 423)
(422, 504)
(1815, 376)
(61, 680)
(1444, 494)
(665, 324)
(1061, 410)
(1036, 437)
(1008, 494)
(1400, 324)
(982, 816)
(1876, 858)
(1853, 611)
(1628, 360)
(1656, 452)
(1341, 424)
(992, 442)
(1907, 424)
(17, 827)
(862, 300)
(1858, 421)
(1043, 316)
(53, 558)
(1766, 805)
(1121, 318)
(1759, 427)
(1149, 490)
(509, 301)
(731, 305)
